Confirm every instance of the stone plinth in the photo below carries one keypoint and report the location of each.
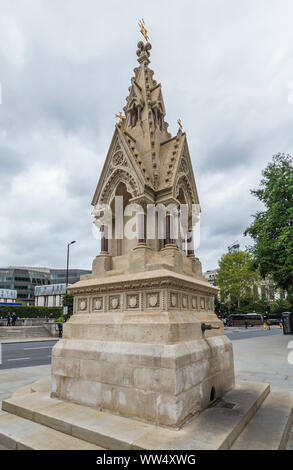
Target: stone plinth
(135, 346)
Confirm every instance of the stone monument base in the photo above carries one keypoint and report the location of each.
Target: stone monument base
(248, 417)
(159, 383)
(137, 345)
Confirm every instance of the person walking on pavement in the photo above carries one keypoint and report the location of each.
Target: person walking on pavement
(14, 318)
(60, 328)
(8, 319)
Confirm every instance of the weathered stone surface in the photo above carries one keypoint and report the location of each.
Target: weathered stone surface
(216, 427)
(135, 344)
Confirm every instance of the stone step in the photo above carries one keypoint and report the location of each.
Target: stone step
(216, 427)
(24, 332)
(269, 428)
(21, 434)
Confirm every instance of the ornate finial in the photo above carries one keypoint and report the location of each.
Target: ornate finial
(143, 29)
(180, 124)
(143, 51)
(120, 116)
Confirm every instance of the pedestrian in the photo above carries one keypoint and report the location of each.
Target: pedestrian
(60, 328)
(14, 318)
(246, 324)
(269, 323)
(8, 319)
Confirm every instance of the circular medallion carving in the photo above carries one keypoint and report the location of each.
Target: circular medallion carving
(153, 300)
(118, 158)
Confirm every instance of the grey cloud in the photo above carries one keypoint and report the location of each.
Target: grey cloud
(65, 68)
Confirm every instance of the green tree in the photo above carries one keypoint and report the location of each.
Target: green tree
(272, 228)
(67, 301)
(236, 278)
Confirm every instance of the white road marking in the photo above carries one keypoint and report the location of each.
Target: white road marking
(18, 359)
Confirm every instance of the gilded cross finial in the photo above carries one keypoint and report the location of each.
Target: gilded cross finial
(120, 116)
(180, 124)
(143, 29)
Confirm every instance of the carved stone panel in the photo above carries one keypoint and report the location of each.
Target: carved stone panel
(98, 303)
(194, 303)
(174, 300)
(202, 303)
(153, 300)
(114, 302)
(82, 304)
(132, 301)
(184, 301)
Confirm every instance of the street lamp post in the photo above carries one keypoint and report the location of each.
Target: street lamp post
(68, 245)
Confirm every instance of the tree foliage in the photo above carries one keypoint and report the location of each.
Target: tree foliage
(236, 278)
(272, 228)
(67, 301)
(23, 311)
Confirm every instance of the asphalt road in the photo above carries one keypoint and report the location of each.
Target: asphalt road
(251, 332)
(15, 355)
(28, 354)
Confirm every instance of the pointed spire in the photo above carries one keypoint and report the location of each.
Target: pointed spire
(145, 115)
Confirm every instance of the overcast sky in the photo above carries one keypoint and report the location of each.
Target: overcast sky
(65, 69)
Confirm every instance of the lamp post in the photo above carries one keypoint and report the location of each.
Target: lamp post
(68, 245)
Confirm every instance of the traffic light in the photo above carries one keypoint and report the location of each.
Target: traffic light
(268, 309)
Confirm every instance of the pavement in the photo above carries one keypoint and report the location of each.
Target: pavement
(12, 380)
(265, 359)
(259, 356)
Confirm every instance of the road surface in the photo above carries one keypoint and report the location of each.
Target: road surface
(15, 355)
(28, 354)
(236, 333)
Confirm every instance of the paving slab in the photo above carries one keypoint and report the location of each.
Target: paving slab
(269, 428)
(12, 380)
(215, 428)
(20, 434)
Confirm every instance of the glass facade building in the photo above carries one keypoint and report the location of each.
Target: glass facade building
(25, 279)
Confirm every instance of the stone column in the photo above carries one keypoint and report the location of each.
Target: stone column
(104, 239)
(141, 220)
(190, 245)
(169, 222)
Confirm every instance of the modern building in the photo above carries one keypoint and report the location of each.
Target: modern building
(8, 297)
(50, 295)
(58, 276)
(24, 279)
